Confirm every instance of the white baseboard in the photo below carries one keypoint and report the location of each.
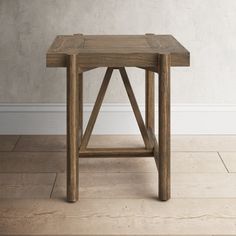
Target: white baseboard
(116, 119)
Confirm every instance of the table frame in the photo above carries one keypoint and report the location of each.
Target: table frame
(77, 140)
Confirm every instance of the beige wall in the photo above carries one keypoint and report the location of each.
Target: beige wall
(206, 27)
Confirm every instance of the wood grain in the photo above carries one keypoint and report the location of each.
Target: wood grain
(116, 50)
(45, 162)
(155, 147)
(167, 44)
(38, 143)
(164, 127)
(197, 217)
(150, 100)
(8, 142)
(72, 129)
(154, 53)
(143, 185)
(26, 185)
(80, 108)
(150, 106)
(116, 152)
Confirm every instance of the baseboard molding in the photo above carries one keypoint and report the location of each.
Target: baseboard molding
(116, 119)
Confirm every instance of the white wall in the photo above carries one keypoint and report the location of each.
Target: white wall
(207, 28)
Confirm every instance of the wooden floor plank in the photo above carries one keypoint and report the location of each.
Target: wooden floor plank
(118, 195)
(191, 143)
(182, 162)
(203, 143)
(8, 142)
(178, 142)
(144, 185)
(23, 185)
(196, 162)
(36, 162)
(41, 143)
(118, 217)
(125, 141)
(111, 185)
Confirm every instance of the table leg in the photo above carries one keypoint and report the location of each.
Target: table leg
(80, 109)
(164, 127)
(150, 110)
(72, 129)
(150, 100)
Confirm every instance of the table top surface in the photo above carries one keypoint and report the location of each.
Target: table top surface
(125, 46)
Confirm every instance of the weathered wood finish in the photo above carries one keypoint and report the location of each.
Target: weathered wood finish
(116, 50)
(153, 53)
(116, 152)
(155, 147)
(72, 129)
(80, 108)
(164, 127)
(150, 100)
(150, 105)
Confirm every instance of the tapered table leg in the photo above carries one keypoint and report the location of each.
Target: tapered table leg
(72, 129)
(164, 127)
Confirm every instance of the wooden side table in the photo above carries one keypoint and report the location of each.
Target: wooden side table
(154, 53)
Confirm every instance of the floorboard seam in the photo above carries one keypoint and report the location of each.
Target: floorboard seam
(54, 183)
(17, 141)
(223, 162)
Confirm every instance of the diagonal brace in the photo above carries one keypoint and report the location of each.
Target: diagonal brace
(146, 138)
(96, 108)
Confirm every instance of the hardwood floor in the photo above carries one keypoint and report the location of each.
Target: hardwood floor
(117, 195)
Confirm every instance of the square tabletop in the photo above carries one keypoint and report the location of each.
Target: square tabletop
(116, 50)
